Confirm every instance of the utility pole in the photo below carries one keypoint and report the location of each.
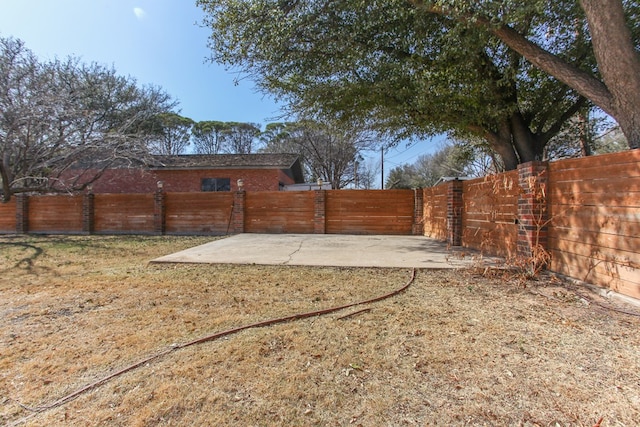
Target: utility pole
(382, 167)
(355, 173)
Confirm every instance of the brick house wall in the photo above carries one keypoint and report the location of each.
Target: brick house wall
(185, 174)
(140, 181)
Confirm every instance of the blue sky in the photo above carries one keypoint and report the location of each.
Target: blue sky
(157, 42)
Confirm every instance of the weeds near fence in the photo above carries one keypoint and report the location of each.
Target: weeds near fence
(537, 216)
(525, 262)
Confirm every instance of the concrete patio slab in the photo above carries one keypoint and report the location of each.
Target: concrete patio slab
(327, 250)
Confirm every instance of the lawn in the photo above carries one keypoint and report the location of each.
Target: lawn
(457, 347)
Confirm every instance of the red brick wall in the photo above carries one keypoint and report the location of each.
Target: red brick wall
(185, 181)
(125, 181)
(284, 178)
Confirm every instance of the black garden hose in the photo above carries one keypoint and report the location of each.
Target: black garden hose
(207, 338)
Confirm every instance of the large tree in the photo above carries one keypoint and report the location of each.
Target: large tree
(413, 70)
(63, 122)
(240, 137)
(454, 159)
(328, 152)
(613, 30)
(208, 136)
(172, 134)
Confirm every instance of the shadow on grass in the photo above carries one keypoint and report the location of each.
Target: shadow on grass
(26, 260)
(35, 254)
(30, 249)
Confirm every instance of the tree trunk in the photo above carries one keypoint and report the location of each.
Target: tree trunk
(618, 61)
(5, 175)
(585, 135)
(583, 82)
(501, 143)
(523, 140)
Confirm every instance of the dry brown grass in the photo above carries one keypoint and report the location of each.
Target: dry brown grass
(454, 349)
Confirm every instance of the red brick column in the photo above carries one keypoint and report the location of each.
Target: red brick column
(88, 210)
(320, 212)
(237, 214)
(159, 210)
(454, 212)
(417, 228)
(532, 208)
(22, 213)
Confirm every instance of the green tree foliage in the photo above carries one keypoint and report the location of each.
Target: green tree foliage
(65, 119)
(611, 141)
(208, 136)
(214, 137)
(611, 28)
(454, 159)
(240, 138)
(327, 152)
(410, 69)
(404, 176)
(172, 134)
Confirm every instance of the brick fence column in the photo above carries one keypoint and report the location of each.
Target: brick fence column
(320, 212)
(22, 213)
(88, 212)
(159, 210)
(532, 208)
(237, 214)
(454, 212)
(417, 229)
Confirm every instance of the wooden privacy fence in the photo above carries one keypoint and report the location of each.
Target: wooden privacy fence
(489, 214)
(378, 212)
(594, 214)
(279, 212)
(584, 212)
(332, 211)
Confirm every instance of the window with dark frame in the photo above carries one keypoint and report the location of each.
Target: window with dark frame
(216, 184)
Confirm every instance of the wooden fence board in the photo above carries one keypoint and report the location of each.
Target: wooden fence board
(594, 211)
(593, 173)
(490, 208)
(612, 275)
(624, 159)
(8, 216)
(622, 250)
(124, 213)
(279, 212)
(500, 239)
(435, 212)
(55, 214)
(369, 211)
(597, 184)
(593, 220)
(595, 198)
(198, 213)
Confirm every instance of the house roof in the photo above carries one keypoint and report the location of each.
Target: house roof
(288, 163)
